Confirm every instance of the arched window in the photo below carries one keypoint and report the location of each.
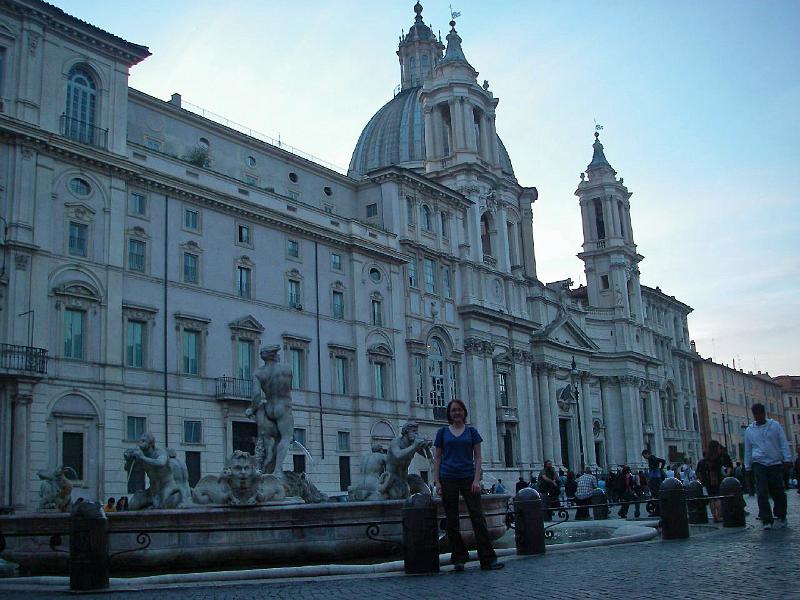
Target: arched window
(486, 235)
(79, 116)
(425, 218)
(425, 63)
(436, 373)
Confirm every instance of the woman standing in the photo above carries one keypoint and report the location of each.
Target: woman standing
(457, 470)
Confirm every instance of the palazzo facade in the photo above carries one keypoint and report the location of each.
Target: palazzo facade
(149, 251)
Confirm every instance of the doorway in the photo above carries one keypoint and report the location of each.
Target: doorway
(563, 431)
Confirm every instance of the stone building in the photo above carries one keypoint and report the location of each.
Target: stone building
(725, 396)
(790, 401)
(150, 251)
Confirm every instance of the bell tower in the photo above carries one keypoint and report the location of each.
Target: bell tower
(419, 51)
(609, 253)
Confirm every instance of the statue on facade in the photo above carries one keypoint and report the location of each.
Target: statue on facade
(240, 484)
(169, 478)
(385, 477)
(56, 489)
(272, 411)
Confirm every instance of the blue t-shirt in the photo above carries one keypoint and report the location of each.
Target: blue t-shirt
(457, 458)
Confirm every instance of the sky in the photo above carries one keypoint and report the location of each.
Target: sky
(698, 103)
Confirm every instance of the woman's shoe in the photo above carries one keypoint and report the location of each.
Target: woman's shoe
(492, 566)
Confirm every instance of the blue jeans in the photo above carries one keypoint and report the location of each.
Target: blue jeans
(451, 489)
(769, 482)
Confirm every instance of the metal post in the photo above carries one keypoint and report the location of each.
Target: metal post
(88, 548)
(529, 522)
(733, 503)
(420, 535)
(600, 512)
(674, 519)
(573, 373)
(698, 513)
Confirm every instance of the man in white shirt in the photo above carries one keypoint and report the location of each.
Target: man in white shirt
(766, 454)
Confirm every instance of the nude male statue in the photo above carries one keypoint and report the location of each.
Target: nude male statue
(169, 479)
(401, 453)
(272, 411)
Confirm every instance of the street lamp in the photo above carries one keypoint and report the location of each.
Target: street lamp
(573, 379)
(725, 418)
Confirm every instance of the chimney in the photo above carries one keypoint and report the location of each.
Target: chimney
(176, 99)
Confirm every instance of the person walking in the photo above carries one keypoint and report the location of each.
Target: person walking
(585, 486)
(457, 471)
(654, 466)
(548, 487)
(630, 493)
(713, 469)
(766, 454)
(521, 484)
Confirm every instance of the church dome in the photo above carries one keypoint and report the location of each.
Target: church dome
(395, 135)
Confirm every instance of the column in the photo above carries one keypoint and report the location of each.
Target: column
(475, 386)
(528, 250)
(658, 421)
(456, 125)
(544, 405)
(21, 449)
(523, 399)
(633, 441)
(469, 126)
(486, 146)
(438, 133)
(588, 232)
(490, 407)
(612, 460)
(430, 144)
(534, 413)
(494, 147)
(503, 253)
(612, 228)
(586, 421)
(553, 402)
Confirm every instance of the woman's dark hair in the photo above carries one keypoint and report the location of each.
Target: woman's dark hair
(714, 449)
(461, 404)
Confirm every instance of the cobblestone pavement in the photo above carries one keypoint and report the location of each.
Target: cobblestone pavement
(730, 564)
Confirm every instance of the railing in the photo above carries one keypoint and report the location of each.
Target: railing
(601, 244)
(232, 387)
(23, 358)
(83, 132)
(489, 260)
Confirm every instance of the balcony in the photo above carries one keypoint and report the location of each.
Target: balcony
(22, 359)
(489, 260)
(231, 388)
(507, 414)
(83, 132)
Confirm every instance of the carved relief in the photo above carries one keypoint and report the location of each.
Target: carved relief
(479, 347)
(21, 262)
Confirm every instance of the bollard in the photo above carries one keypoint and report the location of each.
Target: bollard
(420, 535)
(88, 547)
(733, 506)
(529, 522)
(698, 513)
(599, 513)
(674, 518)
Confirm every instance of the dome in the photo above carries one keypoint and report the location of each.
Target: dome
(395, 135)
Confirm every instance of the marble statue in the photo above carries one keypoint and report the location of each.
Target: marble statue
(241, 483)
(169, 479)
(56, 489)
(272, 411)
(300, 486)
(385, 476)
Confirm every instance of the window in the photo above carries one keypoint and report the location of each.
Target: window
(379, 373)
(338, 305)
(299, 463)
(486, 235)
(340, 368)
(73, 333)
(191, 219)
(193, 432)
(243, 277)
(152, 144)
(436, 374)
(604, 282)
(343, 439)
(419, 379)
(372, 210)
(81, 108)
(293, 248)
(425, 220)
(429, 273)
(300, 436)
(191, 352)
(297, 361)
(327, 191)
(344, 473)
(447, 286)
(412, 273)
(134, 346)
(336, 261)
(78, 238)
(502, 388)
(135, 427)
(244, 359)
(293, 177)
(377, 312)
(410, 211)
(598, 219)
(445, 223)
(136, 254)
(243, 234)
(191, 263)
(375, 275)
(251, 161)
(72, 452)
(453, 380)
(137, 204)
(193, 471)
(293, 292)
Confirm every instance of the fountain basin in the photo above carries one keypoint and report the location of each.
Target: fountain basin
(202, 538)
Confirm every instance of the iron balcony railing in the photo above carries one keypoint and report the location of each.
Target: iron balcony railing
(232, 387)
(83, 132)
(23, 358)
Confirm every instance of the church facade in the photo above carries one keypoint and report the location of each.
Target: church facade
(149, 252)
